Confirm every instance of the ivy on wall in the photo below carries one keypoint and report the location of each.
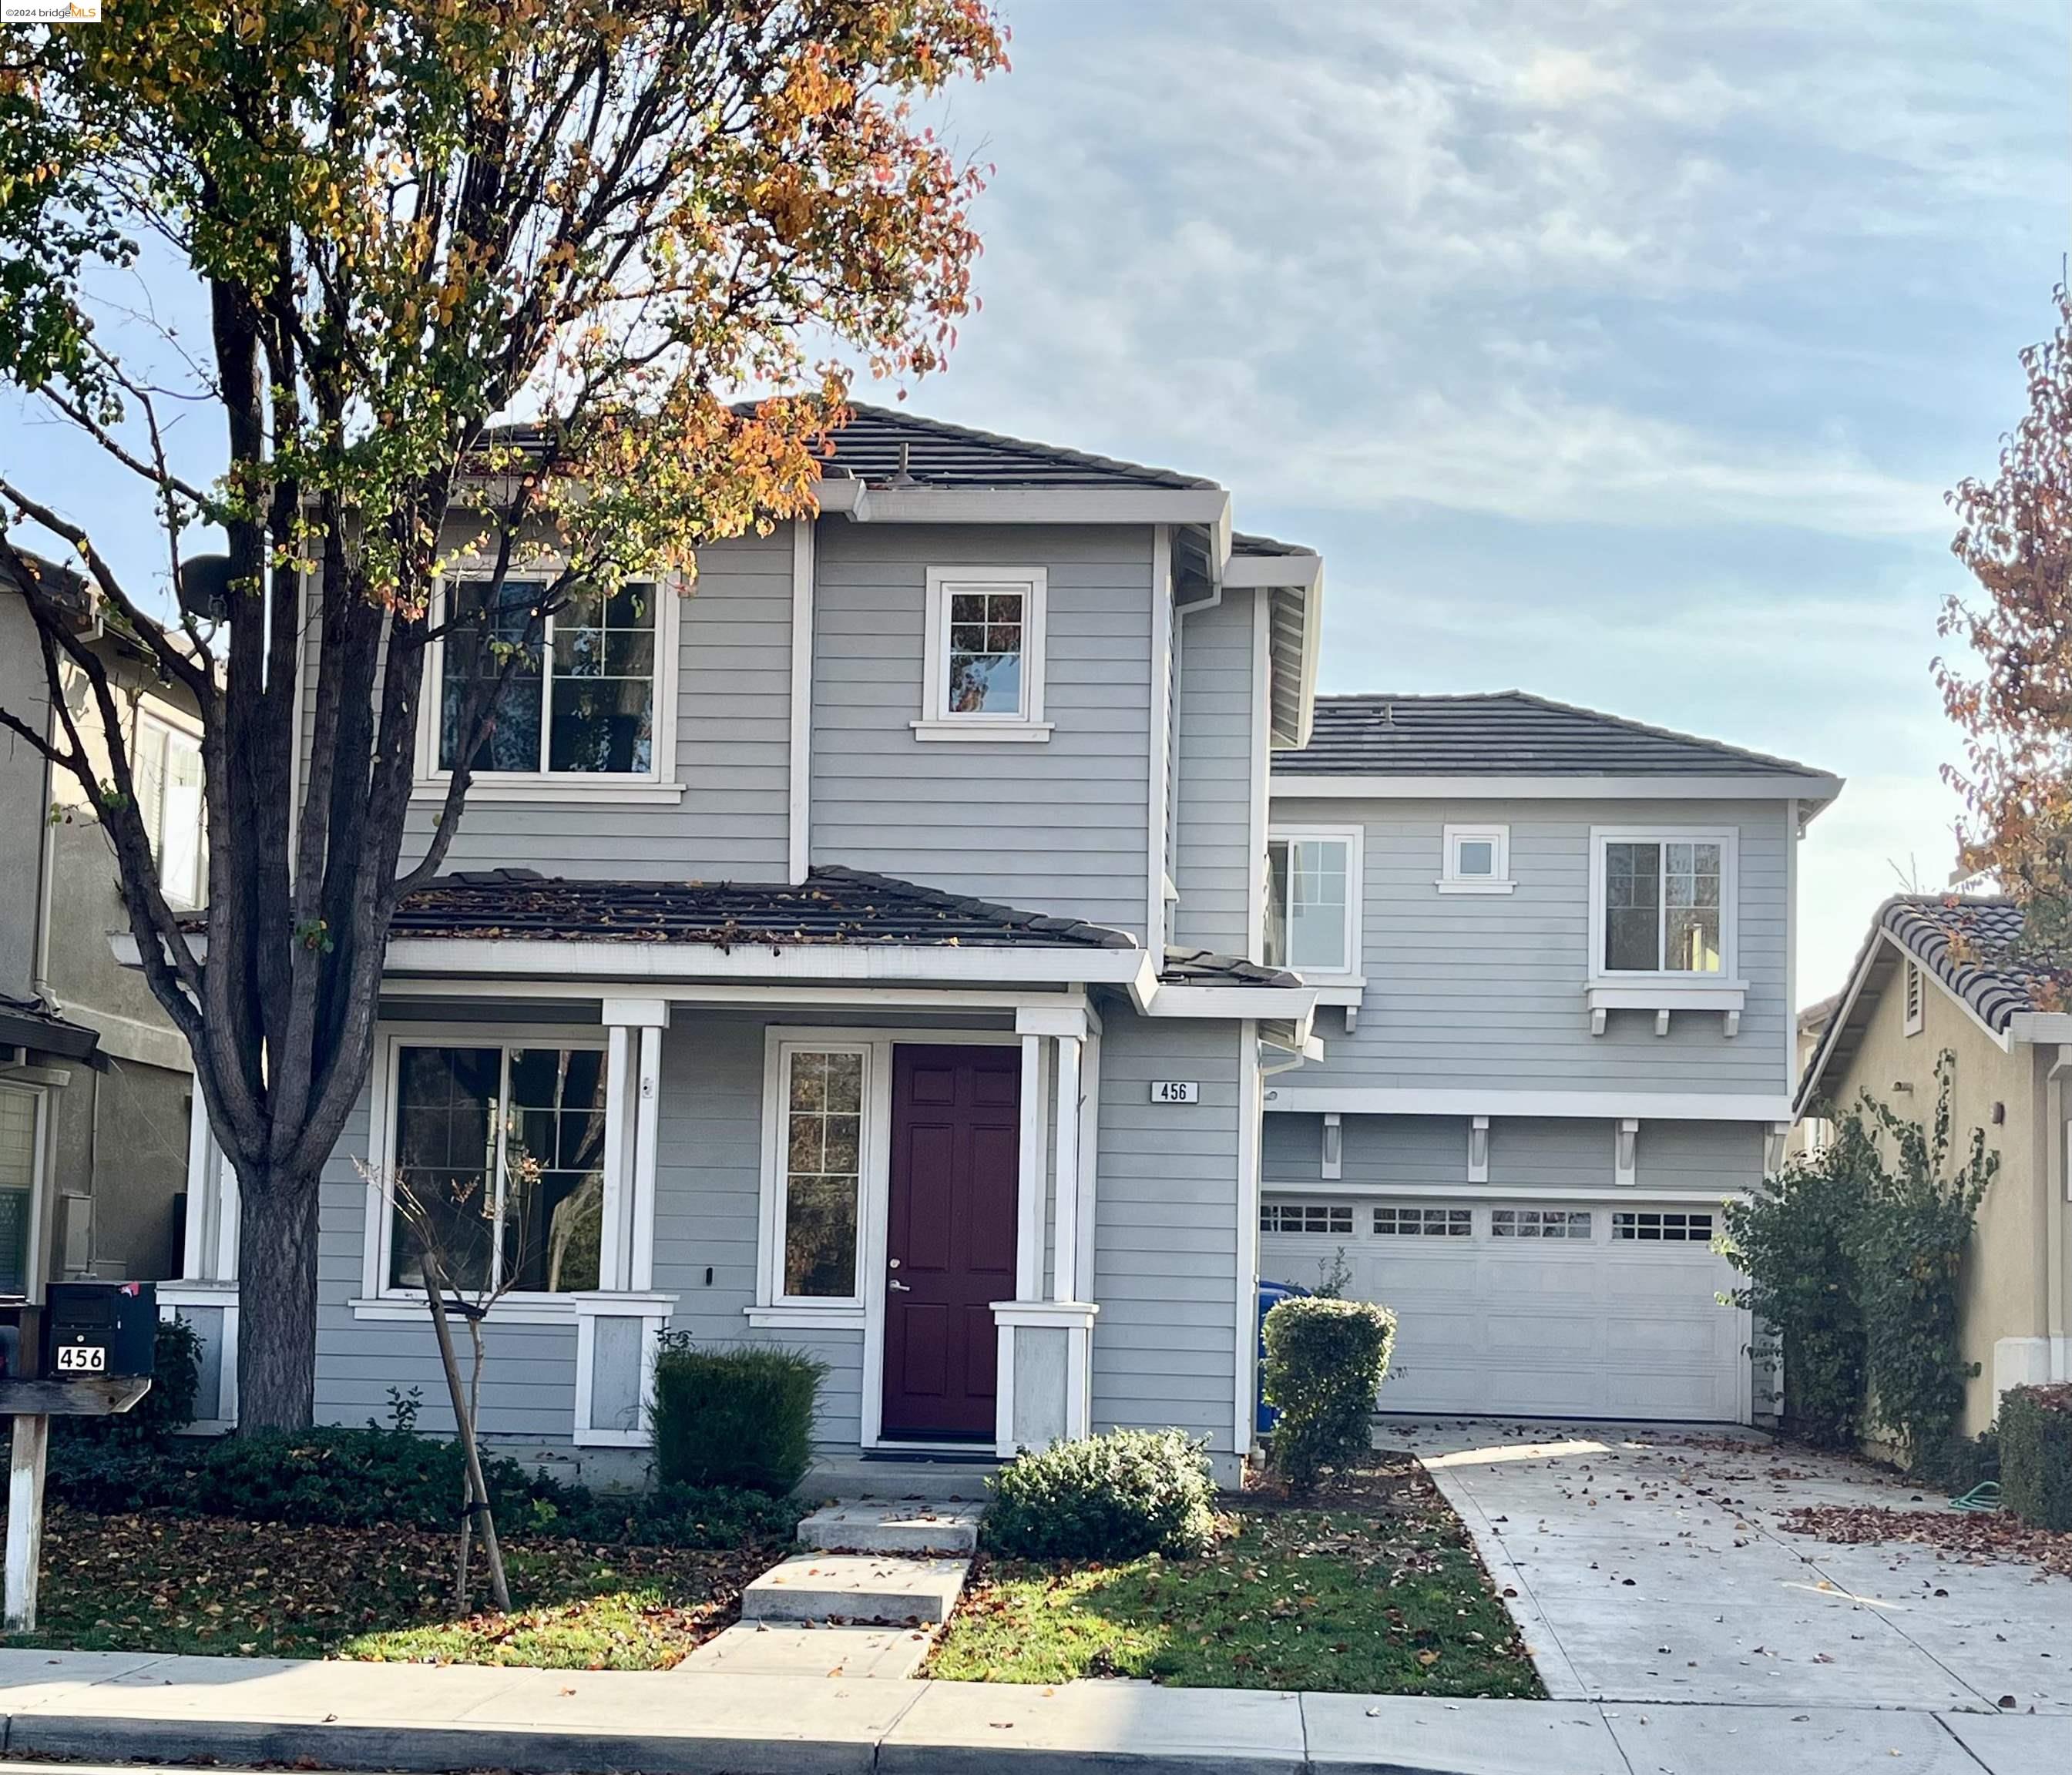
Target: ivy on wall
(1854, 1253)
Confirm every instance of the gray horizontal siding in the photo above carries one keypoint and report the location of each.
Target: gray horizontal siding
(1165, 1237)
(1473, 990)
(1216, 723)
(1054, 827)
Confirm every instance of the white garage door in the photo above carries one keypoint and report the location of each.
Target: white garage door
(1601, 1309)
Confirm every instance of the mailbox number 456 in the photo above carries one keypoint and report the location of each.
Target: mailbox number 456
(81, 1359)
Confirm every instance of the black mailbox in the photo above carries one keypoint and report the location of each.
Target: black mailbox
(99, 1328)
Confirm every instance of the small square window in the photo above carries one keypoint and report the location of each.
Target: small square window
(1476, 860)
(984, 654)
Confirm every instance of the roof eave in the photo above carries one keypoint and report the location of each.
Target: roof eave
(1527, 785)
(862, 502)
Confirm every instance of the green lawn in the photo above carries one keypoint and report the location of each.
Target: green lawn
(1375, 1591)
(161, 1582)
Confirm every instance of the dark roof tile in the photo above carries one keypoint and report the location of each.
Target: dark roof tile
(1204, 968)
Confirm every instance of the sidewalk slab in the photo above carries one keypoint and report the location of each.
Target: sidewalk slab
(2015, 1744)
(1817, 1740)
(30, 1678)
(1409, 1735)
(977, 1728)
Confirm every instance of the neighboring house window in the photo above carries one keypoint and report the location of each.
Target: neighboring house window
(822, 1092)
(502, 1145)
(984, 654)
(588, 698)
(1313, 895)
(1424, 1222)
(1664, 903)
(1291, 1217)
(1476, 860)
(17, 1185)
(1540, 1223)
(1663, 1228)
(168, 776)
(1916, 988)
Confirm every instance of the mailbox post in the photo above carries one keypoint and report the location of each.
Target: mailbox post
(85, 1352)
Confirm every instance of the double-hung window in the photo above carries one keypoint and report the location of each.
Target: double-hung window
(1313, 894)
(584, 697)
(167, 772)
(498, 1151)
(982, 656)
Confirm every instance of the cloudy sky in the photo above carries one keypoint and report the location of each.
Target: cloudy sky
(1621, 352)
(1618, 351)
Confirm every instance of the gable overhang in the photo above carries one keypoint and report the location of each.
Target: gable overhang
(1812, 793)
(1293, 583)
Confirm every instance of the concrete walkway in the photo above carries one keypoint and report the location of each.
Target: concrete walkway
(105, 1707)
(1652, 1565)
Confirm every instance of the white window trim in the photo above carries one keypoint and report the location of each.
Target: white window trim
(1451, 880)
(1913, 997)
(772, 1305)
(937, 722)
(377, 1299)
(33, 1254)
(181, 726)
(1729, 841)
(1353, 838)
(580, 788)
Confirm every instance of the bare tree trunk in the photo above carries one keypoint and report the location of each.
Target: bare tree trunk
(463, 1408)
(277, 1286)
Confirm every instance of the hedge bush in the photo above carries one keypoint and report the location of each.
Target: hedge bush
(2036, 1455)
(1112, 1497)
(1325, 1362)
(734, 1417)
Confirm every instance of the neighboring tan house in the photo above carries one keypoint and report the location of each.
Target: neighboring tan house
(1555, 952)
(1912, 995)
(1809, 1133)
(94, 1130)
(907, 950)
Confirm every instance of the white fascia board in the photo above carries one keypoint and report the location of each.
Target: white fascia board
(2043, 1028)
(1537, 788)
(1029, 504)
(1595, 1105)
(1273, 571)
(1295, 1004)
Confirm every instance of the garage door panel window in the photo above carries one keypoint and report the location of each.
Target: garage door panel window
(1297, 1217)
(1423, 1222)
(1648, 1226)
(1540, 1223)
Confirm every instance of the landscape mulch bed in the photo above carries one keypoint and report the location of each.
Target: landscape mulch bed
(1370, 1586)
(1977, 1537)
(161, 1582)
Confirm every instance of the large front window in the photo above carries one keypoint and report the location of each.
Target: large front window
(1662, 906)
(1311, 903)
(498, 1167)
(579, 700)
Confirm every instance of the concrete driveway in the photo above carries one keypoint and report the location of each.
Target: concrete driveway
(1652, 1565)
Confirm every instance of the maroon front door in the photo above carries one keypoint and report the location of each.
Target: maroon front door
(949, 1246)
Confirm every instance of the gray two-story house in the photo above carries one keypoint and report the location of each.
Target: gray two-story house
(1554, 949)
(810, 967)
(908, 947)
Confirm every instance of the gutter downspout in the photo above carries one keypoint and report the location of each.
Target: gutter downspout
(2054, 1248)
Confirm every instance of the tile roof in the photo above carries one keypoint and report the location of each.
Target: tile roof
(1204, 968)
(880, 445)
(30, 1023)
(833, 905)
(1506, 733)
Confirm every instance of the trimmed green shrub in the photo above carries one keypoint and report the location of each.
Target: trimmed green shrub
(1325, 1361)
(735, 1417)
(2036, 1455)
(1112, 1497)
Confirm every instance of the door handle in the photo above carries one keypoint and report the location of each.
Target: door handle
(900, 1286)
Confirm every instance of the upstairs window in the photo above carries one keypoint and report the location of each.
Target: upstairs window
(1477, 860)
(168, 776)
(984, 654)
(582, 700)
(1312, 902)
(1663, 904)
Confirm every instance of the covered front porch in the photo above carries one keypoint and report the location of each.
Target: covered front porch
(905, 1178)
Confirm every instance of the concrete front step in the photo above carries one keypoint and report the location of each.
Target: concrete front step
(856, 1587)
(873, 1526)
(784, 1648)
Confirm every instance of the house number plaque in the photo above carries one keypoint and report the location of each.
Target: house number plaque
(1175, 1091)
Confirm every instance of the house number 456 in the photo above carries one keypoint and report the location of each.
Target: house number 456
(1175, 1091)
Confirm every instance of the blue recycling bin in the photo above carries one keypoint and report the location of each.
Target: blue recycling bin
(1271, 1295)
